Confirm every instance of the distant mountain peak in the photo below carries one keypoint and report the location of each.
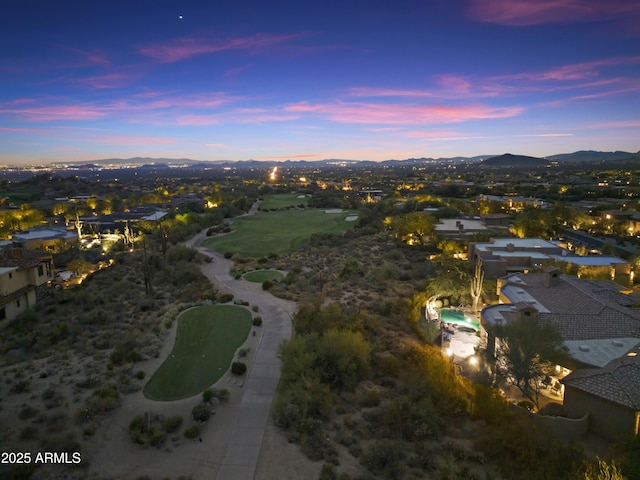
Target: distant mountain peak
(511, 160)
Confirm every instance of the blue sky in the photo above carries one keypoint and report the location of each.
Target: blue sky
(367, 80)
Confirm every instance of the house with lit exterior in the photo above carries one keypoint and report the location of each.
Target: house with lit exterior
(51, 239)
(502, 256)
(600, 329)
(21, 273)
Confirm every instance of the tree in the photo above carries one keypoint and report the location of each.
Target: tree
(412, 227)
(201, 413)
(450, 247)
(524, 350)
(343, 358)
(533, 222)
(451, 279)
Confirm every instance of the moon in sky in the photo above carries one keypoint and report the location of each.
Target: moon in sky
(180, 17)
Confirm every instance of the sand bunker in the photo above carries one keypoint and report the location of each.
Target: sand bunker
(351, 218)
(334, 210)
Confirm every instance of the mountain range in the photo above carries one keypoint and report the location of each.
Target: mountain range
(506, 159)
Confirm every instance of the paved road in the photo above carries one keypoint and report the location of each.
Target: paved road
(245, 441)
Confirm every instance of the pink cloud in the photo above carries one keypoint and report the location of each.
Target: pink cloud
(617, 124)
(157, 107)
(427, 135)
(387, 92)
(57, 112)
(94, 57)
(402, 114)
(575, 71)
(548, 135)
(198, 120)
(108, 80)
(183, 48)
(216, 145)
(235, 71)
(527, 12)
(16, 130)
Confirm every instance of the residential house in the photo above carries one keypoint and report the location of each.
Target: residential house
(611, 395)
(459, 227)
(502, 256)
(45, 238)
(21, 273)
(600, 331)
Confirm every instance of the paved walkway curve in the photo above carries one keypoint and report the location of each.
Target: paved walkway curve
(245, 441)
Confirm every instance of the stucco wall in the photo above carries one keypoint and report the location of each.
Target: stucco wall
(561, 427)
(606, 418)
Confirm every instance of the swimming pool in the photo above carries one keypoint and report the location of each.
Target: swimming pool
(457, 317)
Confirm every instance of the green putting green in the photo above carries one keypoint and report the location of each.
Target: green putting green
(206, 341)
(279, 232)
(260, 276)
(283, 200)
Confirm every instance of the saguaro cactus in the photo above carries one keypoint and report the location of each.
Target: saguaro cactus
(476, 286)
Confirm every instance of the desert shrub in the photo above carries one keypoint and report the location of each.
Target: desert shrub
(156, 436)
(172, 424)
(192, 432)
(29, 433)
(208, 395)
(101, 402)
(21, 386)
(255, 308)
(328, 472)
(385, 458)
(267, 284)
(27, 412)
(242, 352)
(257, 321)
(136, 430)
(60, 442)
(226, 297)
(342, 358)
(88, 382)
(489, 404)
(222, 394)
(180, 253)
(316, 445)
(201, 413)
(511, 451)
(185, 274)
(238, 368)
(125, 352)
(228, 254)
(140, 375)
(299, 405)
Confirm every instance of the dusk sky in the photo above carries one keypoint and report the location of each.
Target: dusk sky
(278, 80)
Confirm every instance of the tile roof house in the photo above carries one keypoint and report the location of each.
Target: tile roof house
(611, 395)
(600, 330)
(21, 272)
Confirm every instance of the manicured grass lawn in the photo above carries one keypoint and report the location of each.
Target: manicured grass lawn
(278, 232)
(260, 276)
(206, 342)
(282, 200)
